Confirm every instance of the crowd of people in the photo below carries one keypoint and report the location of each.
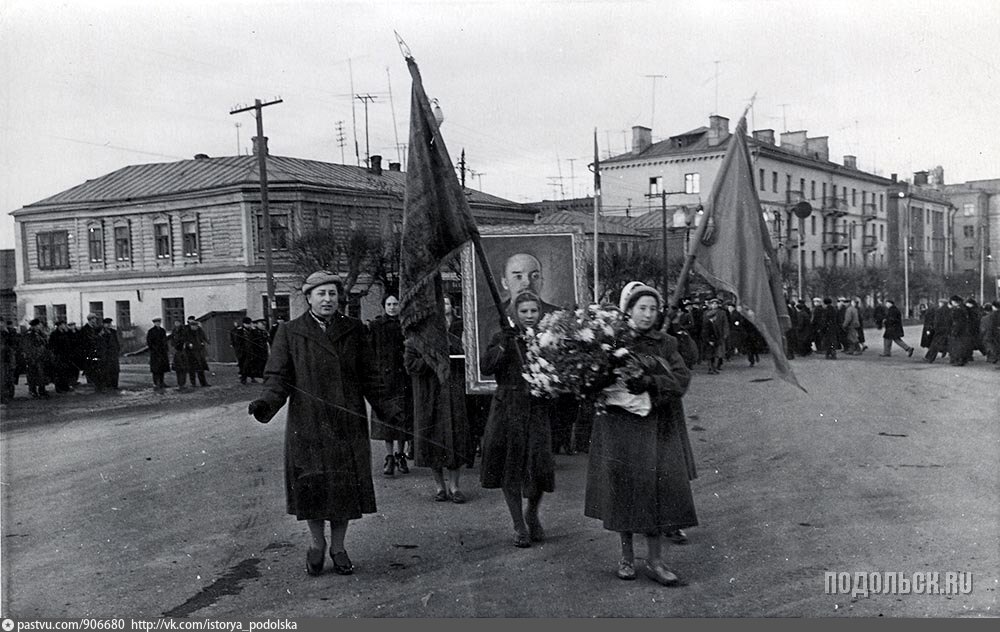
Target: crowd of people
(715, 331)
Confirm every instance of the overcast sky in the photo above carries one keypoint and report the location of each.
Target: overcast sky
(87, 87)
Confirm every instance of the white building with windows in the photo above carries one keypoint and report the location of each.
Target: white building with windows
(173, 240)
(849, 222)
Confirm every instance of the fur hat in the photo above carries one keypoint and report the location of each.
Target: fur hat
(321, 277)
(956, 299)
(633, 291)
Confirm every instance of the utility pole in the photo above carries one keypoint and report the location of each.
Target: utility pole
(559, 168)
(354, 117)
(716, 62)
(340, 140)
(572, 178)
(652, 116)
(265, 211)
(366, 98)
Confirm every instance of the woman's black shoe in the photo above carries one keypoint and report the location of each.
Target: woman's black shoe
(341, 563)
(401, 464)
(390, 465)
(314, 561)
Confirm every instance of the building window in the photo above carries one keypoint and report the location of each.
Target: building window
(95, 243)
(813, 257)
(282, 306)
(812, 225)
(762, 183)
(324, 220)
(881, 198)
(970, 252)
(161, 235)
(279, 231)
(968, 210)
(655, 185)
(173, 312)
(692, 183)
(968, 231)
(824, 191)
(802, 186)
(97, 309)
(788, 182)
(53, 250)
(42, 314)
(59, 313)
(123, 244)
(812, 190)
(189, 238)
(774, 181)
(123, 315)
(881, 232)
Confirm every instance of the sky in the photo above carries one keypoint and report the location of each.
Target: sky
(90, 86)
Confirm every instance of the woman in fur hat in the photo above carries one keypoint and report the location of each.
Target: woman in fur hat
(638, 477)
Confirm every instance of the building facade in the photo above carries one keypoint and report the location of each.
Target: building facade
(186, 238)
(848, 224)
(977, 232)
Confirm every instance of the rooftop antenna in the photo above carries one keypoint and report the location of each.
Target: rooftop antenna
(572, 178)
(652, 116)
(784, 115)
(716, 62)
(399, 154)
(238, 124)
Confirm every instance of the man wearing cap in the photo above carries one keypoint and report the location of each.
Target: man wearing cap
(190, 359)
(159, 355)
(239, 338)
(851, 323)
(34, 346)
(939, 326)
(715, 332)
(322, 364)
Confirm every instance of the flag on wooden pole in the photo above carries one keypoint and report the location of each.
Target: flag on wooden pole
(733, 250)
(437, 221)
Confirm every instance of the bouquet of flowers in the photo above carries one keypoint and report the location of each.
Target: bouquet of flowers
(583, 353)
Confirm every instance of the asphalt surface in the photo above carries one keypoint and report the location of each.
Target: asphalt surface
(149, 505)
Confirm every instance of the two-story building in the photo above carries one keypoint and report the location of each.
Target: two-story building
(848, 223)
(185, 238)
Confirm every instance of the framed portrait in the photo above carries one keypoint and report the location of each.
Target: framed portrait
(547, 259)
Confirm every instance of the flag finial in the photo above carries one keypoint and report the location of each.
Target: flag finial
(403, 48)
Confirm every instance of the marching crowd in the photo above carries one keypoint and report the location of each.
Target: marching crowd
(955, 328)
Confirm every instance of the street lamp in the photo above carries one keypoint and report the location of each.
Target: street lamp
(802, 210)
(906, 254)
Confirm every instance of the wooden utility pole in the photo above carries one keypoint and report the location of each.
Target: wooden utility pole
(366, 98)
(265, 211)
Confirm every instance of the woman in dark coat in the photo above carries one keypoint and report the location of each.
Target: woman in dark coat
(442, 437)
(517, 444)
(321, 363)
(959, 336)
(638, 477)
(386, 336)
(893, 330)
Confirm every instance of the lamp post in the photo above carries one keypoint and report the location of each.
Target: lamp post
(906, 255)
(802, 210)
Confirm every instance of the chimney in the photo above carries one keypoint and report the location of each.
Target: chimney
(718, 130)
(375, 165)
(818, 148)
(851, 162)
(642, 138)
(920, 178)
(893, 177)
(764, 136)
(794, 141)
(394, 166)
(257, 146)
(201, 156)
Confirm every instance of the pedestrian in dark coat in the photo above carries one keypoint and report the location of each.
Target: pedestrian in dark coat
(34, 346)
(442, 438)
(258, 348)
(927, 332)
(714, 334)
(893, 330)
(986, 327)
(88, 339)
(190, 357)
(517, 445)
(323, 366)
(8, 361)
(109, 350)
(975, 316)
(958, 334)
(940, 328)
(159, 353)
(804, 331)
(386, 335)
(640, 468)
(239, 338)
(62, 345)
(827, 321)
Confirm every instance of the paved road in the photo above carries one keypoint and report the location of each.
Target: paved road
(118, 506)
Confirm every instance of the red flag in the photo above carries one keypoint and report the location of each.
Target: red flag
(735, 254)
(436, 222)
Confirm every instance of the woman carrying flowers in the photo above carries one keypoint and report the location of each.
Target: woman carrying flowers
(517, 444)
(638, 479)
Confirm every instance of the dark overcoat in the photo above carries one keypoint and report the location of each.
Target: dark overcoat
(893, 323)
(256, 350)
(638, 476)
(191, 345)
(517, 442)
(386, 336)
(34, 346)
(442, 435)
(325, 376)
(159, 353)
